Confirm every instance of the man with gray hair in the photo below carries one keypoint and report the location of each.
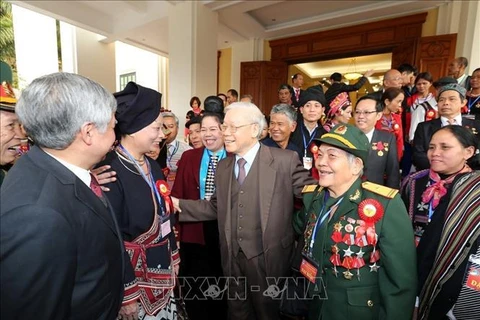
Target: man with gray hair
(62, 256)
(253, 202)
(175, 148)
(283, 121)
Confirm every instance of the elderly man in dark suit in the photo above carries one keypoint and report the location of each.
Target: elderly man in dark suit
(255, 191)
(382, 165)
(451, 99)
(61, 256)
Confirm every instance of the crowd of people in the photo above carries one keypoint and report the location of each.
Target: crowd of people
(371, 208)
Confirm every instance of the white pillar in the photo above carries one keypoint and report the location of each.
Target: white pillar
(68, 36)
(192, 55)
(468, 38)
(35, 45)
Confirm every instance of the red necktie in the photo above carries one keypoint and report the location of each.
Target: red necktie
(95, 186)
(297, 94)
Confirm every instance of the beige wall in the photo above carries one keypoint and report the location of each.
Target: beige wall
(267, 51)
(96, 60)
(429, 27)
(225, 70)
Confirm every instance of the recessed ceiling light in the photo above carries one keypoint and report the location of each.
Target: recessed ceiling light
(226, 41)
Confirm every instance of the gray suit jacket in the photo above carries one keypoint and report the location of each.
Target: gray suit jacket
(61, 255)
(282, 178)
(382, 165)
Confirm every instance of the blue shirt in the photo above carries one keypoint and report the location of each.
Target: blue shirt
(204, 167)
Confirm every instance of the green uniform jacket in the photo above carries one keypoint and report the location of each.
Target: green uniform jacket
(388, 293)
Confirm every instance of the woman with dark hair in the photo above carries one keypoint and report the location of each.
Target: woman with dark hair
(285, 94)
(340, 111)
(473, 95)
(391, 120)
(428, 196)
(423, 106)
(195, 104)
(141, 201)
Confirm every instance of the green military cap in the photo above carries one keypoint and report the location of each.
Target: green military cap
(348, 138)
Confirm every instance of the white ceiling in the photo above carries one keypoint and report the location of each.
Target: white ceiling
(145, 23)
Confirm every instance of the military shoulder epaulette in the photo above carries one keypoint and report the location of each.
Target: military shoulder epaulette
(379, 189)
(309, 188)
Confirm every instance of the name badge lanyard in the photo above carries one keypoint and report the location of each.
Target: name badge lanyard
(305, 144)
(175, 149)
(321, 220)
(470, 104)
(148, 180)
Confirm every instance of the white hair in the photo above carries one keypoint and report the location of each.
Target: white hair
(54, 107)
(252, 113)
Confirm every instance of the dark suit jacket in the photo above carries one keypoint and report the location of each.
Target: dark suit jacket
(424, 133)
(382, 165)
(61, 254)
(296, 102)
(282, 178)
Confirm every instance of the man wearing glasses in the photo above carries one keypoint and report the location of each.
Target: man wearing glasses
(382, 163)
(253, 201)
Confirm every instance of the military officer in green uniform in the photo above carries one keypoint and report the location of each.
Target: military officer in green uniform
(359, 246)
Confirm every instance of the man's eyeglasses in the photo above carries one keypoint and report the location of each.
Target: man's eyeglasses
(364, 112)
(233, 129)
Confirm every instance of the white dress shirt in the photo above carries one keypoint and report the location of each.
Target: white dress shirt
(457, 120)
(370, 135)
(249, 158)
(82, 174)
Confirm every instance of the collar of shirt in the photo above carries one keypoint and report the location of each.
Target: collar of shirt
(457, 119)
(172, 146)
(249, 158)
(81, 173)
(310, 131)
(462, 79)
(370, 135)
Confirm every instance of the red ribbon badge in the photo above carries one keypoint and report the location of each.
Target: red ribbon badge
(162, 187)
(396, 127)
(314, 149)
(370, 211)
(430, 115)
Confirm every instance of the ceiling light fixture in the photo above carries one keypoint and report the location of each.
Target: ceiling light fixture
(352, 75)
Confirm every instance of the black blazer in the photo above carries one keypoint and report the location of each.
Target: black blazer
(296, 102)
(383, 167)
(61, 255)
(424, 133)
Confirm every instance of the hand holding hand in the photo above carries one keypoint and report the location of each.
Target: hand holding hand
(129, 311)
(176, 204)
(104, 176)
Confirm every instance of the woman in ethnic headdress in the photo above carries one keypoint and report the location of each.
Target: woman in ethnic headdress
(391, 120)
(427, 193)
(141, 201)
(340, 111)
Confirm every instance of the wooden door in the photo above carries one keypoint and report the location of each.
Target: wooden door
(261, 79)
(434, 53)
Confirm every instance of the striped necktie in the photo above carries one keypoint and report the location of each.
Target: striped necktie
(210, 180)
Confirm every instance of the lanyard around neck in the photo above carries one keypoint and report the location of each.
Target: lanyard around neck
(148, 179)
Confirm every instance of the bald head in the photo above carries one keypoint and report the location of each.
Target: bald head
(392, 79)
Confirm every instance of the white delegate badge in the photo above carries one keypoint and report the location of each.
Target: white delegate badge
(307, 162)
(166, 228)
